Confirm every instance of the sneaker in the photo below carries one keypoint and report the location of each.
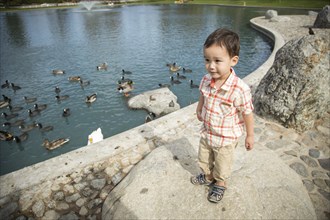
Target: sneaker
(200, 179)
(216, 193)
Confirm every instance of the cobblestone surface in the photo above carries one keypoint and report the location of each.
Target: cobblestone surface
(80, 194)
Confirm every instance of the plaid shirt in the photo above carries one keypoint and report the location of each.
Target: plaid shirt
(222, 109)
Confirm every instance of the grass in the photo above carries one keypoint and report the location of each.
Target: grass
(259, 3)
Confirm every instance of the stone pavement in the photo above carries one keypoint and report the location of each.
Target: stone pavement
(79, 192)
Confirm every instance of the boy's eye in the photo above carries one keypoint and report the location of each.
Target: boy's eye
(218, 61)
(206, 60)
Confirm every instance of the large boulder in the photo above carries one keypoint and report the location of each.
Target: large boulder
(159, 101)
(261, 187)
(270, 14)
(295, 90)
(323, 18)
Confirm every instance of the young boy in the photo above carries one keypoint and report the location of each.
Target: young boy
(224, 106)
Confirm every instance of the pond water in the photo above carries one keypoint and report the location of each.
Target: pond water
(140, 39)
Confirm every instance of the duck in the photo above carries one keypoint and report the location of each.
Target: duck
(8, 116)
(14, 124)
(61, 97)
(124, 80)
(186, 70)
(27, 128)
(66, 112)
(6, 98)
(84, 83)
(74, 78)
(192, 85)
(126, 88)
(44, 129)
(174, 67)
(91, 98)
(4, 103)
(103, 66)
(163, 85)
(29, 100)
(171, 104)
(57, 90)
(180, 76)
(21, 137)
(14, 87)
(5, 85)
(151, 116)
(175, 81)
(33, 113)
(95, 136)
(58, 72)
(6, 124)
(39, 107)
(6, 136)
(310, 31)
(14, 108)
(126, 72)
(51, 145)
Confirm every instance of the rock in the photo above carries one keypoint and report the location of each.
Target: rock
(58, 196)
(324, 193)
(38, 208)
(325, 163)
(72, 198)
(312, 13)
(309, 161)
(160, 101)
(314, 153)
(323, 18)
(280, 19)
(308, 184)
(159, 188)
(51, 214)
(291, 152)
(319, 174)
(299, 168)
(320, 183)
(294, 90)
(98, 183)
(270, 14)
(8, 209)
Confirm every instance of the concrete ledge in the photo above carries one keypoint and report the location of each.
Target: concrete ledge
(255, 77)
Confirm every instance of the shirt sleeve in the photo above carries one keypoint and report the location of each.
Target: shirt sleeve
(243, 101)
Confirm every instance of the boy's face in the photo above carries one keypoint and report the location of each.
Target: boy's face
(218, 62)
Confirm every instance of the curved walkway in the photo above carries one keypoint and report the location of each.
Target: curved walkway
(77, 190)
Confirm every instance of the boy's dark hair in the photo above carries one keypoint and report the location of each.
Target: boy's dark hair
(224, 38)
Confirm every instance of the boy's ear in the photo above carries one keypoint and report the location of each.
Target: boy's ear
(234, 60)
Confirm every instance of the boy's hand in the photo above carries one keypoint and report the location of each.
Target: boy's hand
(199, 116)
(249, 142)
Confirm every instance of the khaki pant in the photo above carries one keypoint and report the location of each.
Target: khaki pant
(216, 161)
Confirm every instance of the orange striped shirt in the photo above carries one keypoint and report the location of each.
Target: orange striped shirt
(222, 110)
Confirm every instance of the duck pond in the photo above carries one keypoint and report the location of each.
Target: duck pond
(141, 39)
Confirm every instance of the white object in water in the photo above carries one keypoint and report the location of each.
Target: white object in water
(95, 136)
